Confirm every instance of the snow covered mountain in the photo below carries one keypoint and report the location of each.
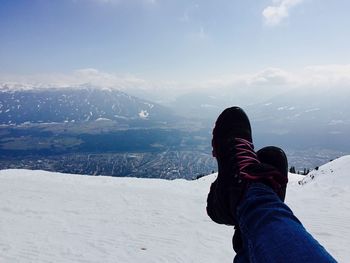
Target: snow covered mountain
(324, 110)
(52, 217)
(321, 110)
(74, 104)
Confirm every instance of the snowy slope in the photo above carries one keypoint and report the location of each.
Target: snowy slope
(52, 217)
(323, 205)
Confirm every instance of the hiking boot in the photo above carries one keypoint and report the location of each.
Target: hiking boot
(231, 129)
(277, 158)
(238, 166)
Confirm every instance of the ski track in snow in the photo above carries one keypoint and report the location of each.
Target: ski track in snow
(52, 217)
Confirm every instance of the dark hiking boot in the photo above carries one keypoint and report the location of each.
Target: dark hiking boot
(238, 166)
(277, 158)
(231, 135)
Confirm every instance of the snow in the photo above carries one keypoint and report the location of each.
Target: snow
(143, 114)
(295, 178)
(102, 119)
(52, 217)
(322, 204)
(336, 122)
(150, 105)
(311, 110)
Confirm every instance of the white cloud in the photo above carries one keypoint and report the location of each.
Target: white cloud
(82, 76)
(326, 75)
(266, 77)
(317, 76)
(278, 11)
(270, 76)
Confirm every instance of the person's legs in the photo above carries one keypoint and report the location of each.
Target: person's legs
(227, 189)
(249, 192)
(238, 166)
(238, 246)
(277, 158)
(271, 232)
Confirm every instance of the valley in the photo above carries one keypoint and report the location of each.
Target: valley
(97, 131)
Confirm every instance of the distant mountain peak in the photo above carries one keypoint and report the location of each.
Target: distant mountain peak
(21, 104)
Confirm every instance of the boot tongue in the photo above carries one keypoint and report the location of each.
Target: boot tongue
(268, 175)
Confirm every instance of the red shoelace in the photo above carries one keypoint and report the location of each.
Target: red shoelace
(245, 155)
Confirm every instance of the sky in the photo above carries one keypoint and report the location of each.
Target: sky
(173, 41)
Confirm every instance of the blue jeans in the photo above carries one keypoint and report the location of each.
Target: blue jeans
(271, 233)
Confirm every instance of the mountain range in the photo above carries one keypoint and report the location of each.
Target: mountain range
(97, 131)
(311, 125)
(75, 104)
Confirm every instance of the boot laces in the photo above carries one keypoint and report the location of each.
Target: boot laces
(245, 155)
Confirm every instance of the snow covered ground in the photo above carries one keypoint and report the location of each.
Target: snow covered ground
(52, 217)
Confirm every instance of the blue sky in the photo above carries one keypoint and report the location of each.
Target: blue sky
(171, 40)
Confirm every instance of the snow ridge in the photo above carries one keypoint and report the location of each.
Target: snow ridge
(331, 173)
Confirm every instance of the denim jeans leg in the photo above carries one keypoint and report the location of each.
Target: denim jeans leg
(272, 233)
